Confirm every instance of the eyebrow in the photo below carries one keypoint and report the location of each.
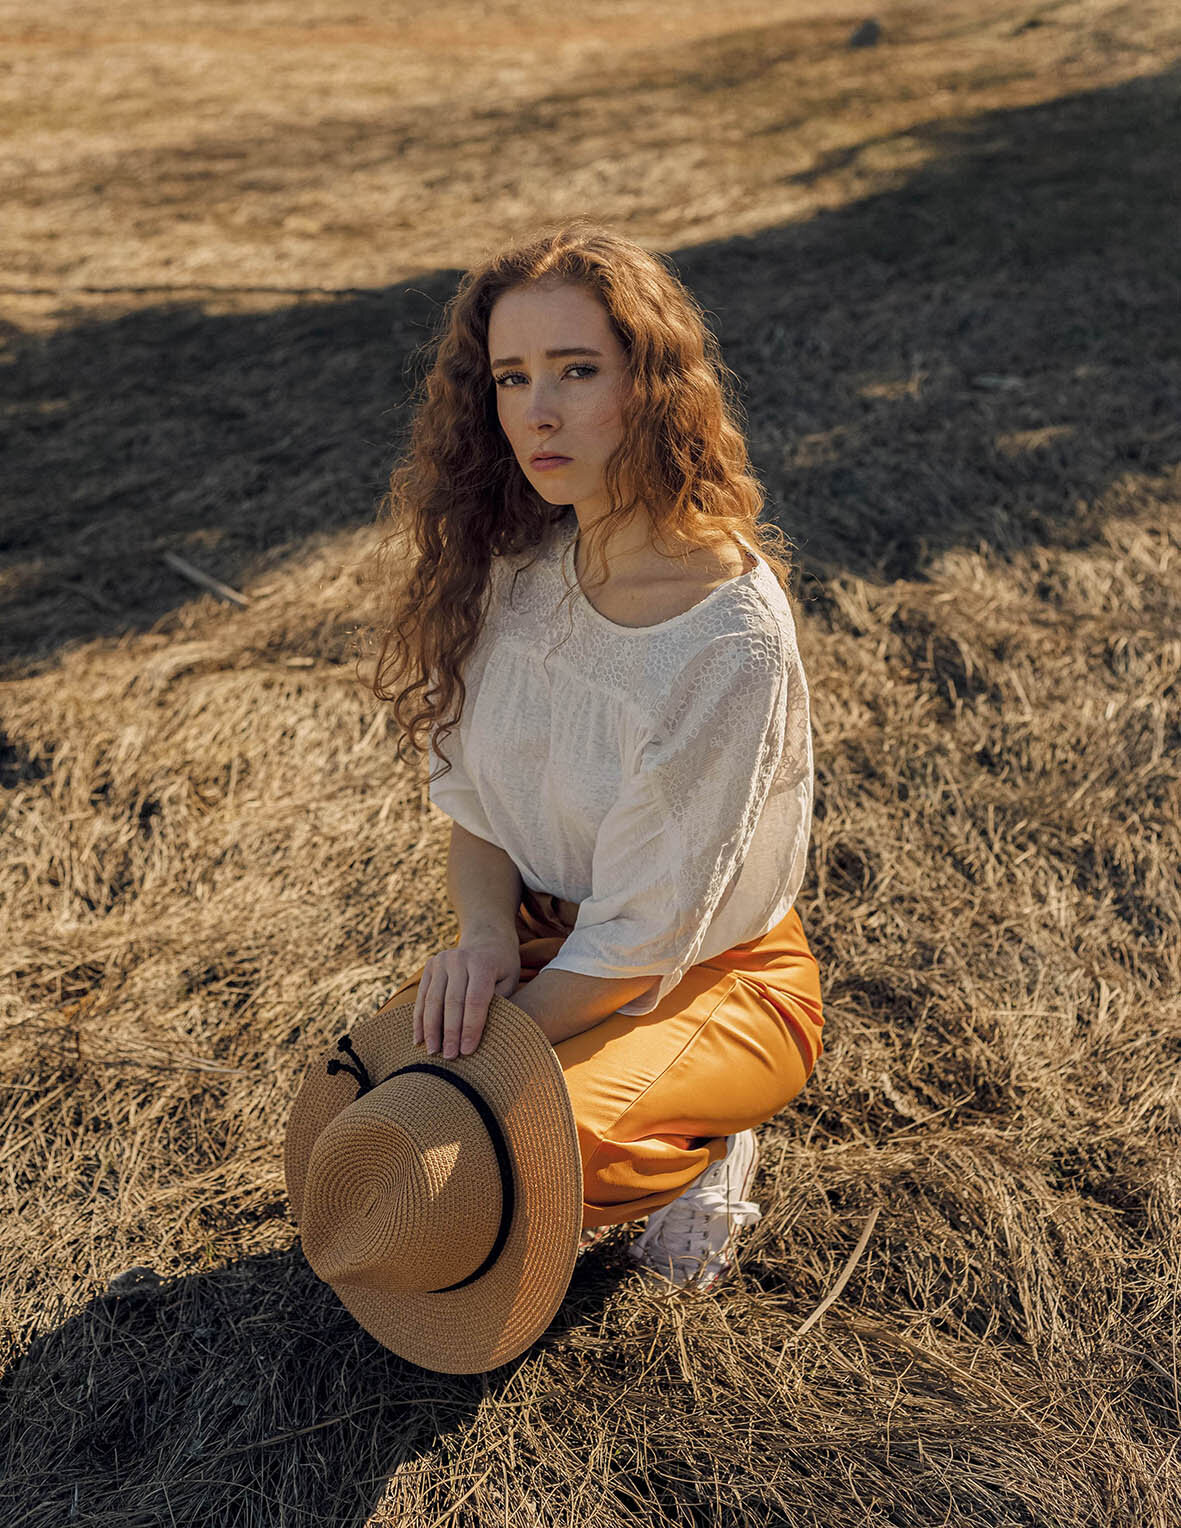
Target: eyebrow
(515, 360)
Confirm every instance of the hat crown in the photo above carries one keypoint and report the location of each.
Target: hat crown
(397, 1191)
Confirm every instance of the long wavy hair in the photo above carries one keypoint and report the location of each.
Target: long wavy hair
(457, 497)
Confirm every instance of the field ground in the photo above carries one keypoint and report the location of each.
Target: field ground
(946, 270)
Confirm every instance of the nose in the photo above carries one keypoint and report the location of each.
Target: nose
(542, 407)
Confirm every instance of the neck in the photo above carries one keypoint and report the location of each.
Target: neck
(628, 547)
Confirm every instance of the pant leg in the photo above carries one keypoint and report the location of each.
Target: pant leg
(655, 1095)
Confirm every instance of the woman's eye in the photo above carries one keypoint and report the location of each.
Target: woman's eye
(506, 376)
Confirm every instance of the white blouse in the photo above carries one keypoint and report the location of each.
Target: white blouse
(660, 776)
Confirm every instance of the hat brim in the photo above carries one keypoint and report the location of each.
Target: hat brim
(490, 1321)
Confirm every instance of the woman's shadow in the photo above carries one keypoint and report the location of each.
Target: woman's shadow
(247, 1393)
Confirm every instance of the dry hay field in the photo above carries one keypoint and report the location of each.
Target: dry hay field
(946, 270)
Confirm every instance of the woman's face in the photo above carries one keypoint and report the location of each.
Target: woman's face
(568, 404)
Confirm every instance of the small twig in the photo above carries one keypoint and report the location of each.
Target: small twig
(926, 1119)
(92, 596)
(1160, 1369)
(300, 1432)
(172, 1064)
(846, 1271)
(206, 581)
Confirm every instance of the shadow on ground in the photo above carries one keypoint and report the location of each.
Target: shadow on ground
(974, 355)
(247, 1393)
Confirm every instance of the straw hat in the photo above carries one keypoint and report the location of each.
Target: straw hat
(440, 1198)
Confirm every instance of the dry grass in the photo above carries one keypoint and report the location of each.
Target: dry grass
(946, 270)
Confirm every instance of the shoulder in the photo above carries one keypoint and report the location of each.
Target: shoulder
(710, 567)
(739, 668)
(743, 645)
(669, 588)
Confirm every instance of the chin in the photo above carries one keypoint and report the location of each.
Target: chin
(552, 495)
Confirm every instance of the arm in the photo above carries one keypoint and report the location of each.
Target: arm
(484, 886)
(565, 1003)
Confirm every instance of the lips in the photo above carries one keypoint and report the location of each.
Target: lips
(539, 458)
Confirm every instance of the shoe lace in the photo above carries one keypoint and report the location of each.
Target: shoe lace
(688, 1218)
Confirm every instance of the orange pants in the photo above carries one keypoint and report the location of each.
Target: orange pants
(656, 1094)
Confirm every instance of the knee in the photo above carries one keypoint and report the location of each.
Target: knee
(405, 994)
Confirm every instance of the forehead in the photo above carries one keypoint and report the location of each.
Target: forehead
(548, 316)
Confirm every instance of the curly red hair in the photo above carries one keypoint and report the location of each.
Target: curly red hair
(457, 497)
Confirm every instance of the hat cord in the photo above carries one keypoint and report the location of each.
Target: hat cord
(491, 1124)
(362, 1076)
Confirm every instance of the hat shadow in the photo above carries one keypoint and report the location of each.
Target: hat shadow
(243, 1392)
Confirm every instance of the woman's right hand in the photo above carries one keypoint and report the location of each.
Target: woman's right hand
(456, 988)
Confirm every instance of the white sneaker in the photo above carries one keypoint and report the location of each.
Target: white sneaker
(688, 1241)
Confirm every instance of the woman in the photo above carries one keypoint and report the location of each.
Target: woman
(631, 783)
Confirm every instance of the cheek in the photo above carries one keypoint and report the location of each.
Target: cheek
(605, 414)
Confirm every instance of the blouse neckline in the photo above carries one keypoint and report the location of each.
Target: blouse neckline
(567, 561)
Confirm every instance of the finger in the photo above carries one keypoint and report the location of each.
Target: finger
(453, 1010)
(419, 1006)
(475, 1011)
(432, 1012)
